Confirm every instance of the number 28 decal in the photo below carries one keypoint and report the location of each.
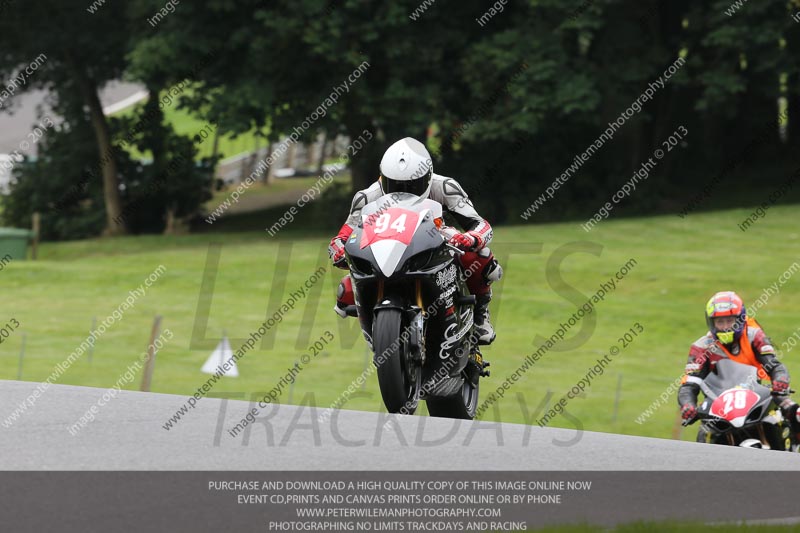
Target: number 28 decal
(734, 403)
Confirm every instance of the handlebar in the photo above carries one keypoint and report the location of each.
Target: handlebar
(699, 416)
(707, 416)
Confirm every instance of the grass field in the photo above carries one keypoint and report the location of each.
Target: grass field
(679, 264)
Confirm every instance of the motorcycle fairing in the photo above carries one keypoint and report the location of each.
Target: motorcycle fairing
(734, 405)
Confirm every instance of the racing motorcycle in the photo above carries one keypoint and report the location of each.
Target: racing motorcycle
(736, 410)
(414, 308)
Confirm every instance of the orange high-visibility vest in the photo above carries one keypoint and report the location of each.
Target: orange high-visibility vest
(746, 355)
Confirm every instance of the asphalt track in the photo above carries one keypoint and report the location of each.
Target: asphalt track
(128, 434)
(125, 472)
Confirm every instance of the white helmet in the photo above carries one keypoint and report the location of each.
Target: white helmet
(407, 167)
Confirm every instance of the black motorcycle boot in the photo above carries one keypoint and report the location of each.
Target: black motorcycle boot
(483, 326)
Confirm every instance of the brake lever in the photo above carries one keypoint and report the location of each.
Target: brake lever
(698, 418)
(690, 421)
(458, 251)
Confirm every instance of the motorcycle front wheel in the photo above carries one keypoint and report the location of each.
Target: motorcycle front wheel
(399, 378)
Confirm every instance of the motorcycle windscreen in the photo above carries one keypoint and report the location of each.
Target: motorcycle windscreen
(732, 375)
(734, 405)
(388, 235)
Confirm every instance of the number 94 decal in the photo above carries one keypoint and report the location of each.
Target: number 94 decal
(395, 224)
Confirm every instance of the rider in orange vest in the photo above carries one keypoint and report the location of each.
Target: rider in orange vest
(735, 336)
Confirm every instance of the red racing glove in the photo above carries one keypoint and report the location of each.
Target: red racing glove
(780, 386)
(336, 248)
(463, 241)
(337, 255)
(688, 412)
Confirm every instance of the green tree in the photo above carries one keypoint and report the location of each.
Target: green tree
(168, 62)
(278, 62)
(83, 52)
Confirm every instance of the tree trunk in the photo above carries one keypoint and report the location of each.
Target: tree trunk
(291, 155)
(332, 147)
(793, 132)
(115, 223)
(254, 156)
(215, 150)
(321, 161)
(270, 178)
(171, 226)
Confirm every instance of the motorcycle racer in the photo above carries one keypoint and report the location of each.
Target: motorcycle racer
(735, 336)
(407, 167)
